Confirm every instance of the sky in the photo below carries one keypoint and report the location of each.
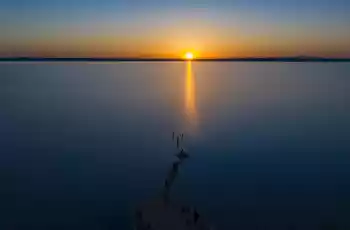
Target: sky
(160, 28)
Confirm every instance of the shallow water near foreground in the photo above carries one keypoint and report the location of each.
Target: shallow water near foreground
(82, 144)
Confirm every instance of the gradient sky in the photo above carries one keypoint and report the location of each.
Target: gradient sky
(107, 28)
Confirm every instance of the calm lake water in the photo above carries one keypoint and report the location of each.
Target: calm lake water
(82, 144)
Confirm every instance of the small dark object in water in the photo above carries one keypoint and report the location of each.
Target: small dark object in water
(177, 141)
(182, 155)
(195, 216)
(173, 135)
(182, 136)
(175, 166)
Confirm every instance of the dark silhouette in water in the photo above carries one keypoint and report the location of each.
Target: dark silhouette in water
(195, 216)
(182, 154)
(179, 138)
(176, 166)
(162, 214)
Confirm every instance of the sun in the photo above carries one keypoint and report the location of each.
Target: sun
(189, 56)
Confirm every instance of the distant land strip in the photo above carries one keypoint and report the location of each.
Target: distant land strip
(97, 59)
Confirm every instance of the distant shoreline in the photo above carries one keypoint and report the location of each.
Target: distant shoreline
(250, 59)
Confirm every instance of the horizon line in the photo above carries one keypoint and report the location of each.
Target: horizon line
(126, 59)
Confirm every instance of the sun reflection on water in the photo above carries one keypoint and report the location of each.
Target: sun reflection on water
(190, 97)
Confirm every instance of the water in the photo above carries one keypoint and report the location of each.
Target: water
(82, 144)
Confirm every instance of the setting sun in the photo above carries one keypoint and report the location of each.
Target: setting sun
(189, 56)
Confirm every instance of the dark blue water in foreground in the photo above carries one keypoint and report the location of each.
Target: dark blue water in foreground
(83, 144)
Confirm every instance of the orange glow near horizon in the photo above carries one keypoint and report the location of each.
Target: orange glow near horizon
(203, 44)
(136, 31)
